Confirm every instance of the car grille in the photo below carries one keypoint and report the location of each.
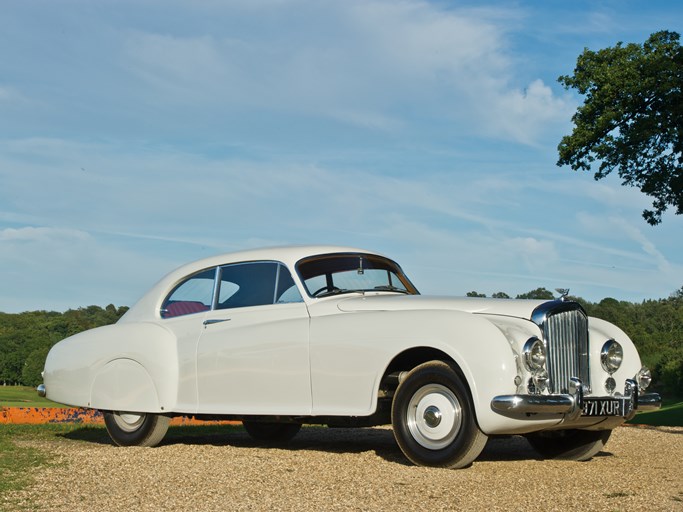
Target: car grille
(565, 333)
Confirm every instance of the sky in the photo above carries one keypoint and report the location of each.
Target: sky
(136, 136)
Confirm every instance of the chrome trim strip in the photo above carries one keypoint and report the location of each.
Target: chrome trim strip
(533, 404)
(277, 283)
(216, 288)
(211, 321)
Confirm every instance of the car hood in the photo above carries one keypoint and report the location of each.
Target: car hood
(384, 302)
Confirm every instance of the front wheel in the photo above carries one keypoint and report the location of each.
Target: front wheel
(574, 444)
(433, 418)
(136, 428)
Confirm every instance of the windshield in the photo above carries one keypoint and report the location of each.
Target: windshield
(332, 274)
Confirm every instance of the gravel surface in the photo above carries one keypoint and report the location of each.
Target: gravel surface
(356, 469)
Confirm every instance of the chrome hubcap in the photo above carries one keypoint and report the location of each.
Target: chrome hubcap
(129, 421)
(434, 416)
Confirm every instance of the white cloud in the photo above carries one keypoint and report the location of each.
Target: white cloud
(535, 253)
(524, 115)
(10, 96)
(39, 235)
(647, 246)
(5, 94)
(370, 64)
(60, 268)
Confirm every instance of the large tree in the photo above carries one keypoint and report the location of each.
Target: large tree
(632, 118)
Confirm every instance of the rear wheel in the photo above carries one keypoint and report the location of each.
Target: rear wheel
(575, 444)
(267, 432)
(136, 428)
(433, 418)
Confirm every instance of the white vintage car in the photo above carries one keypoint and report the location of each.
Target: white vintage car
(339, 336)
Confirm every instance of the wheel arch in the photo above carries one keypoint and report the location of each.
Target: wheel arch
(409, 359)
(124, 385)
(479, 351)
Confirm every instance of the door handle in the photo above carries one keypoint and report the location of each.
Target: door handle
(215, 321)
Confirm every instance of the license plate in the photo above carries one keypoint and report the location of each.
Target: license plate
(605, 407)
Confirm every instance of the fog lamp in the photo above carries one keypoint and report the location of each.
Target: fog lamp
(644, 378)
(610, 385)
(540, 380)
(534, 354)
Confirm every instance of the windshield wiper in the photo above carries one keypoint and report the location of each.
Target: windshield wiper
(391, 288)
(337, 291)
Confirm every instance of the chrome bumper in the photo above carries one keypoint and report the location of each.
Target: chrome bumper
(572, 404)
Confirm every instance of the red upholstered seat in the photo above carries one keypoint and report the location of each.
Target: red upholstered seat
(184, 308)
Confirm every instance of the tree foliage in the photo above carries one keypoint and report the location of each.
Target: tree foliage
(538, 293)
(475, 294)
(632, 118)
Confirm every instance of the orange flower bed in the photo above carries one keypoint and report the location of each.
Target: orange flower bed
(39, 415)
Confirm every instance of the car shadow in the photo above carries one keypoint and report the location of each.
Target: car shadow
(320, 439)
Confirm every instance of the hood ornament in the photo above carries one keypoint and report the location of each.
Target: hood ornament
(563, 293)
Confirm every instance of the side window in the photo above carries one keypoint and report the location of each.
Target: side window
(256, 284)
(193, 295)
(247, 284)
(286, 289)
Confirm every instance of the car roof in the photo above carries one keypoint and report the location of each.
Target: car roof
(287, 254)
(148, 305)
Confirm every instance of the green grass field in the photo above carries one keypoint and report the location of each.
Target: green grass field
(18, 460)
(22, 396)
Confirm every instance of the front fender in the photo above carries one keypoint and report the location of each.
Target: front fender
(351, 352)
(486, 350)
(599, 332)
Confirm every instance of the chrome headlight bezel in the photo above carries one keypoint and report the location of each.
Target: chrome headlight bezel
(611, 356)
(644, 378)
(534, 354)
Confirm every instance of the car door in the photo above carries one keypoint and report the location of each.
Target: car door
(253, 352)
(182, 312)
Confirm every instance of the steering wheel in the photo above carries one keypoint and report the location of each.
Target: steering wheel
(326, 289)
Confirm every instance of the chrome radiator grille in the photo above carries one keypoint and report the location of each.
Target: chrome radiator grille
(565, 332)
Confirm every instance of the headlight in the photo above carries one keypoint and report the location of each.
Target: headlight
(534, 354)
(611, 356)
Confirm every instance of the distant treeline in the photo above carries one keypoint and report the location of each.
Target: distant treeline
(656, 327)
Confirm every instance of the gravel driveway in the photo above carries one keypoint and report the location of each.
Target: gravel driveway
(358, 469)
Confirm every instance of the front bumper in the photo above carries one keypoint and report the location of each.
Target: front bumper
(574, 404)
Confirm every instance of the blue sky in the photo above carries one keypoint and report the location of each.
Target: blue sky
(139, 135)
